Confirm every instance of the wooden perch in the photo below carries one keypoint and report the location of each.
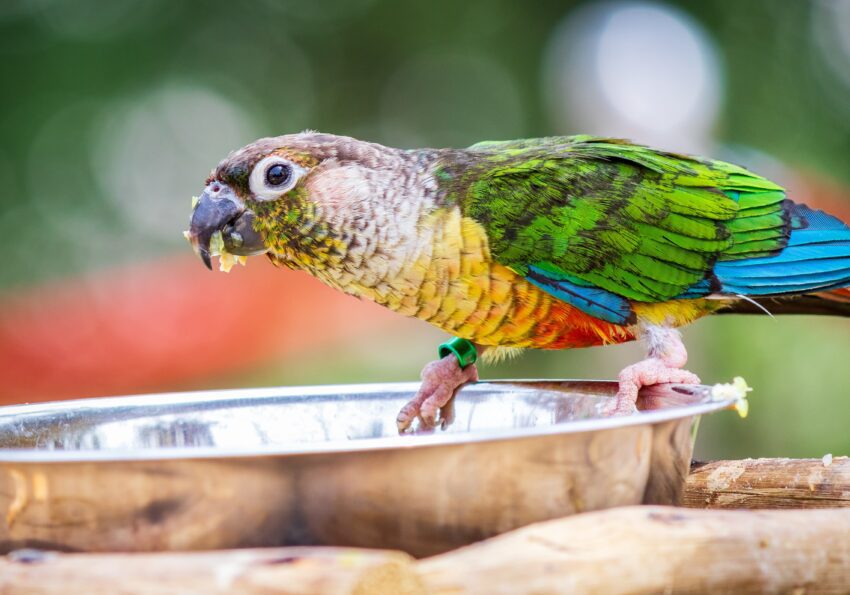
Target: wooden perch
(639, 549)
(656, 549)
(648, 549)
(769, 483)
(289, 571)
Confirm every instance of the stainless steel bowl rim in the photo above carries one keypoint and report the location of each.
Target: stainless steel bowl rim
(332, 446)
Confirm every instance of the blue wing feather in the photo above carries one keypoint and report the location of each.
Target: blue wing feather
(590, 299)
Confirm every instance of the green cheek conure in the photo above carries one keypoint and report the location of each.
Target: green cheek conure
(548, 243)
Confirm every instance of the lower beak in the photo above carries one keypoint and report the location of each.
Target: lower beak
(219, 210)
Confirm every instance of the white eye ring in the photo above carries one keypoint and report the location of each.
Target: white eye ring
(260, 185)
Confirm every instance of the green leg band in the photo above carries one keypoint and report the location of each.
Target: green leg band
(463, 349)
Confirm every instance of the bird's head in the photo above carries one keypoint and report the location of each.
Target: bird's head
(266, 196)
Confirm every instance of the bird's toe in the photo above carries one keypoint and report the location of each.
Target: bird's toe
(648, 372)
(440, 380)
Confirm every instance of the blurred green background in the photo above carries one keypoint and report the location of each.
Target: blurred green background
(113, 113)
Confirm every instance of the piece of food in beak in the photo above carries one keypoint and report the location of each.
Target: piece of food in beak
(222, 226)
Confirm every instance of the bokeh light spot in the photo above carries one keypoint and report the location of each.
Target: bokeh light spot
(641, 70)
(153, 154)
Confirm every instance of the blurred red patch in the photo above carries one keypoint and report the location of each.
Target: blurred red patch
(150, 326)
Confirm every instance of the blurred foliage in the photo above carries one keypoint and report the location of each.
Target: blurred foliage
(114, 112)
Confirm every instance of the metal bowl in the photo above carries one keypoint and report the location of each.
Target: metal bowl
(324, 465)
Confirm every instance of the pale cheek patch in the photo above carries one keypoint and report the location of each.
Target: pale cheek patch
(341, 187)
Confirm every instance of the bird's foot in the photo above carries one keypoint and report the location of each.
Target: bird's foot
(440, 380)
(667, 357)
(650, 371)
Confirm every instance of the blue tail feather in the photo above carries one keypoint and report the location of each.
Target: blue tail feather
(798, 283)
(750, 290)
(791, 255)
(803, 237)
(793, 273)
(815, 258)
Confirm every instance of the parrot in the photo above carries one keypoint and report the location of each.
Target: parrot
(545, 243)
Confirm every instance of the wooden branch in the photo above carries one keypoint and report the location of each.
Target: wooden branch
(640, 549)
(625, 550)
(299, 571)
(654, 549)
(769, 483)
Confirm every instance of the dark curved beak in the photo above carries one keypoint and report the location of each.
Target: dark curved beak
(220, 209)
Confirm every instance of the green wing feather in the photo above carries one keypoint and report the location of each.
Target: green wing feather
(640, 223)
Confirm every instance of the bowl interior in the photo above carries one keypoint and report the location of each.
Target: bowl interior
(264, 418)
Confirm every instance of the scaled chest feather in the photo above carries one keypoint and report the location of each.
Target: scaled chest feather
(450, 281)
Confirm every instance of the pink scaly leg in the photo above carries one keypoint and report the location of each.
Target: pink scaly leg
(666, 358)
(440, 380)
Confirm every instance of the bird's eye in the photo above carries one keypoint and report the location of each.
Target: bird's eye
(273, 177)
(278, 174)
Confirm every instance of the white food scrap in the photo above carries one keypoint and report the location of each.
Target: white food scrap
(737, 390)
(226, 260)
(827, 459)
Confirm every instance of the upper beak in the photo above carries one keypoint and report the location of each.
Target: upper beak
(219, 209)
